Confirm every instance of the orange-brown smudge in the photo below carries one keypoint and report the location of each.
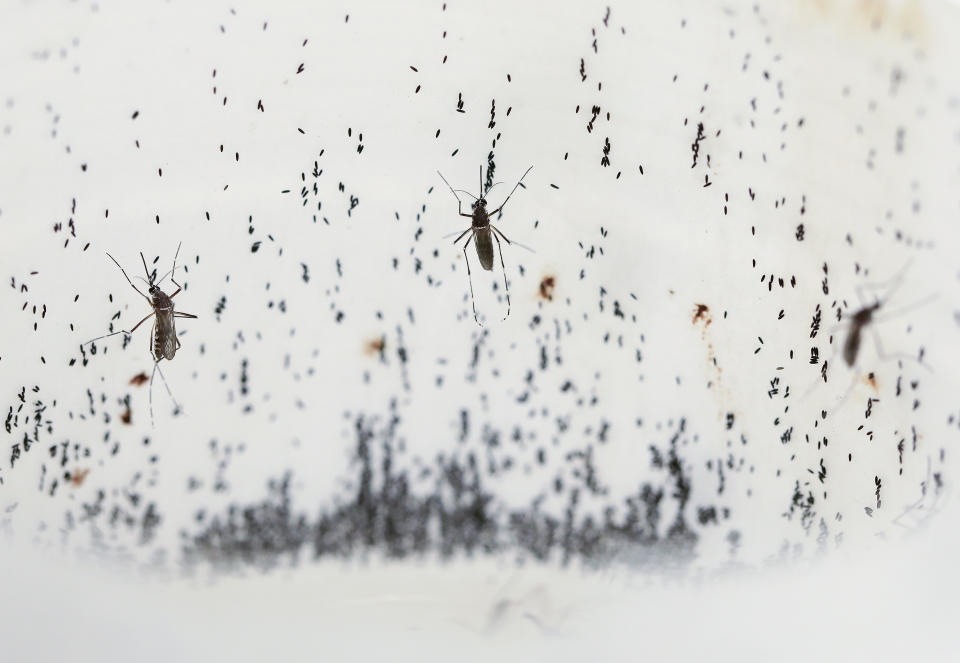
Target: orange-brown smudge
(126, 416)
(374, 346)
(139, 379)
(76, 478)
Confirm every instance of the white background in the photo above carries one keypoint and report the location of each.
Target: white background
(71, 77)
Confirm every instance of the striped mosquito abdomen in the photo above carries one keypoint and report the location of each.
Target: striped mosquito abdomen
(165, 331)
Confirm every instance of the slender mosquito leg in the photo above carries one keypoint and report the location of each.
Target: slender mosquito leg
(156, 369)
(128, 279)
(459, 202)
(122, 331)
(506, 287)
(905, 309)
(899, 355)
(181, 314)
(150, 389)
(462, 234)
(846, 394)
(470, 280)
(497, 230)
(169, 393)
(173, 272)
(153, 334)
(497, 211)
(896, 280)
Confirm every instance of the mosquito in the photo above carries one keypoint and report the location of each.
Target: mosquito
(865, 317)
(163, 338)
(481, 231)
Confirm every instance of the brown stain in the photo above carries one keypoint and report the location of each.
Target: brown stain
(126, 416)
(547, 285)
(703, 318)
(871, 381)
(375, 346)
(77, 477)
(139, 379)
(701, 313)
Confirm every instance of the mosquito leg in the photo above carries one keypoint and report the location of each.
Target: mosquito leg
(156, 368)
(128, 279)
(905, 309)
(459, 202)
(497, 230)
(510, 241)
(470, 280)
(173, 272)
(122, 331)
(462, 234)
(846, 394)
(899, 355)
(897, 280)
(506, 286)
(150, 389)
(497, 211)
(180, 314)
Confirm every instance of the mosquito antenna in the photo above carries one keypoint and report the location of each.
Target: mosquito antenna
(468, 193)
(481, 180)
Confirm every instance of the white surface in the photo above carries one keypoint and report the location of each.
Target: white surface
(71, 76)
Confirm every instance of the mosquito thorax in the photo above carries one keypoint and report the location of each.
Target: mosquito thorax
(480, 213)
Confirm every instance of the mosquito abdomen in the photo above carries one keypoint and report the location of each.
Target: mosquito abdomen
(851, 347)
(165, 339)
(484, 248)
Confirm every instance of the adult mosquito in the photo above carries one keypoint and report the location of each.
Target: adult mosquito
(163, 338)
(866, 318)
(481, 231)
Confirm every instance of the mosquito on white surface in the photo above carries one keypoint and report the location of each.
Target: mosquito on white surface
(163, 338)
(481, 231)
(866, 317)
